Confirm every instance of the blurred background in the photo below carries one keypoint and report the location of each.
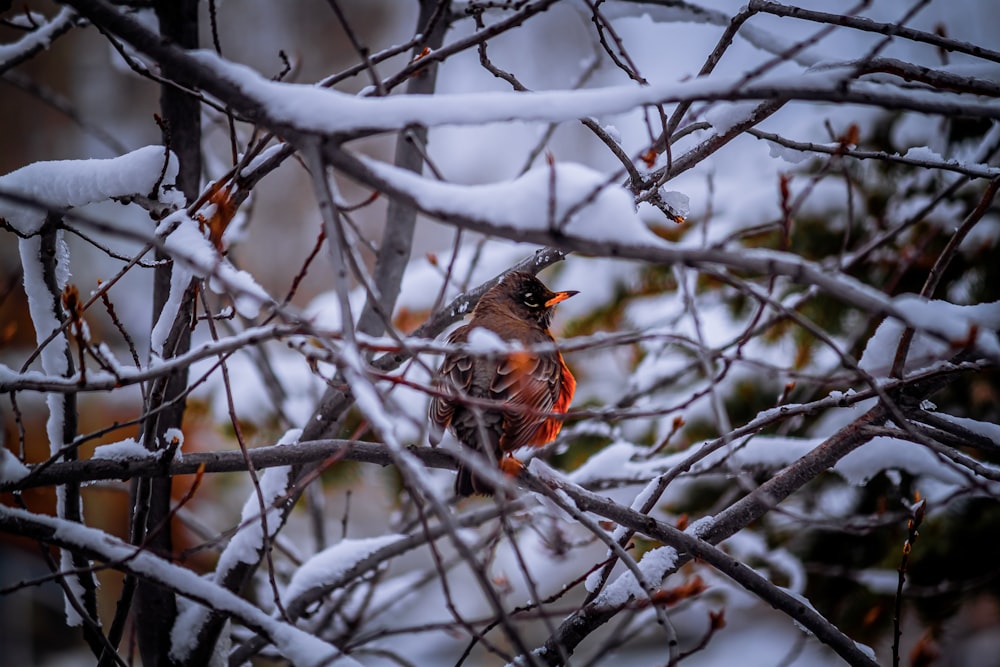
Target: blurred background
(79, 100)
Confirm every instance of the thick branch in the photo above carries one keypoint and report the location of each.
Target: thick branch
(694, 547)
(397, 237)
(156, 607)
(751, 507)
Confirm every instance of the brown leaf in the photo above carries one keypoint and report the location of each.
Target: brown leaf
(223, 212)
(671, 596)
(851, 137)
(71, 302)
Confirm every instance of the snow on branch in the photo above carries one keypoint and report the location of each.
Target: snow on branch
(325, 571)
(148, 171)
(576, 201)
(37, 40)
(195, 256)
(35, 197)
(683, 542)
(122, 375)
(301, 647)
(260, 521)
(314, 110)
(307, 109)
(608, 227)
(933, 315)
(714, 352)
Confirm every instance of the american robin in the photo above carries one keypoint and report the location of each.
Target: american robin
(528, 387)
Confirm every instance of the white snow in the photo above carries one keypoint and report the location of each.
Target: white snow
(592, 581)
(615, 456)
(300, 647)
(39, 38)
(123, 450)
(985, 429)
(244, 546)
(172, 434)
(195, 256)
(70, 183)
(247, 542)
(73, 583)
(678, 202)
(330, 564)
(484, 341)
(597, 210)
(787, 154)
(724, 117)
(768, 452)
(326, 111)
(653, 565)
(923, 153)
(58, 185)
(62, 184)
(700, 526)
(961, 324)
(11, 468)
(886, 453)
(41, 303)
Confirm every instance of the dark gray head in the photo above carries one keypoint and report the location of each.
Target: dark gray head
(524, 296)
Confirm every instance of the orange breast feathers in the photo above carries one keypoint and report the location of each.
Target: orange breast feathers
(549, 429)
(545, 384)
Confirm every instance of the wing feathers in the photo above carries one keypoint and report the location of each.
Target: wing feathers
(532, 385)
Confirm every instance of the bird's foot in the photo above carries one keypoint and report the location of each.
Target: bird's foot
(511, 466)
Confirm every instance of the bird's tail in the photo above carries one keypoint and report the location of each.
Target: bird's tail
(480, 437)
(468, 484)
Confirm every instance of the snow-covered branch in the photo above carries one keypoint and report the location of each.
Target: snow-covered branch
(12, 55)
(780, 228)
(294, 644)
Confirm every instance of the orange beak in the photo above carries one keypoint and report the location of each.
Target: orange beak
(559, 297)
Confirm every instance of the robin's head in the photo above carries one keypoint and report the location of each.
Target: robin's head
(524, 295)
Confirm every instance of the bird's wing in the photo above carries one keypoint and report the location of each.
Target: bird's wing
(455, 378)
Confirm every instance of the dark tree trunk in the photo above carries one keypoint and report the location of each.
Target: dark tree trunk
(156, 607)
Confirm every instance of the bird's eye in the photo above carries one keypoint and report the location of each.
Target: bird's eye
(529, 300)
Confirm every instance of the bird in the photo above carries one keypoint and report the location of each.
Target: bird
(525, 388)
